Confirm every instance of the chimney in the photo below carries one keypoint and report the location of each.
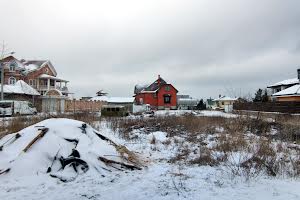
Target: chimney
(158, 80)
(298, 70)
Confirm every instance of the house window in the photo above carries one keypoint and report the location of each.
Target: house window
(30, 82)
(12, 67)
(12, 80)
(141, 101)
(167, 99)
(154, 95)
(47, 71)
(167, 88)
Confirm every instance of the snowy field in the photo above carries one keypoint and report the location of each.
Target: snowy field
(159, 178)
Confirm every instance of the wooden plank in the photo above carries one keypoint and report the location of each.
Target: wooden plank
(41, 134)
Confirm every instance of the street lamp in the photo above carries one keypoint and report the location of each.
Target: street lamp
(2, 74)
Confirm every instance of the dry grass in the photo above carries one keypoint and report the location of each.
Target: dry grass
(205, 158)
(247, 139)
(266, 152)
(15, 124)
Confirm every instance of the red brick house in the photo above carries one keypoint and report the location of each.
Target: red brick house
(39, 74)
(159, 95)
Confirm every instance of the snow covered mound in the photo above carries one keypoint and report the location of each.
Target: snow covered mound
(63, 149)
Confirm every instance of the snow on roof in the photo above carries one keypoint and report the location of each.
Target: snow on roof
(113, 99)
(286, 82)
(99, 98)
(152, 88)
(121, 100)
(20, 87)
(31, 65)
(150, 91)
(225, 98)
(141, 86)
(294, 90)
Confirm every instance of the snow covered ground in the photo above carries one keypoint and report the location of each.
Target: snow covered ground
(206, 113)
(159, 179)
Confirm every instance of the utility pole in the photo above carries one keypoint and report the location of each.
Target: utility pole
(2, 80)
(2, 65)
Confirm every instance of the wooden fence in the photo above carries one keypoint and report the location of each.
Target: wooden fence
(82, 106)
(61, 105)
(282, 107)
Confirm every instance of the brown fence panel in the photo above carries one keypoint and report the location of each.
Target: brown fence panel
(283, 107)
(82, 106)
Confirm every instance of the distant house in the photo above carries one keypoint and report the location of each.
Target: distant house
(282, 85)
(39, 74)
(287, 90)
(289, 94)
(159, 95)
(224, 103)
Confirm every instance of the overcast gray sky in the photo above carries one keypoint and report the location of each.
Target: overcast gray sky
(203, 47)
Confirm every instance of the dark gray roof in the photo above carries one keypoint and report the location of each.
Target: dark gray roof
(150, 88)
(155, 85)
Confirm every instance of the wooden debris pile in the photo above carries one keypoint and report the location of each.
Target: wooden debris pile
(75, 153)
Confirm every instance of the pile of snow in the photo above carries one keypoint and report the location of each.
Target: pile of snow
(63, 138)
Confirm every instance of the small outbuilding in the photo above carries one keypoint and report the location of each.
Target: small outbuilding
(114, 111)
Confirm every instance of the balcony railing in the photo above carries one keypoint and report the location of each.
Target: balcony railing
(45, 88)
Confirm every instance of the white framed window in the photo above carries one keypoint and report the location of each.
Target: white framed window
(12, 80)
(30, 82)
(12, 67)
